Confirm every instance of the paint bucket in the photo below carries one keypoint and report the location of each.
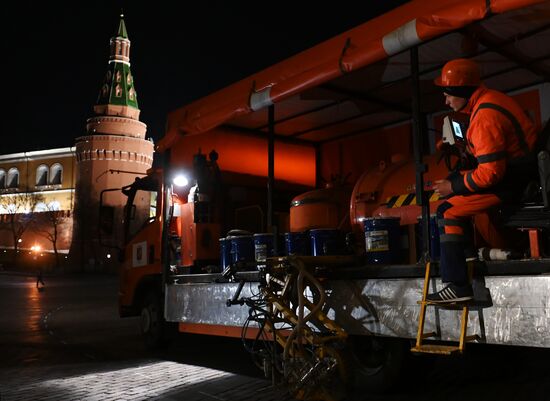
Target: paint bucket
(326, 242)
(225, 253)
(297, 244)
(382, 240)
(263, 248)
(435, 251)
(242, 249)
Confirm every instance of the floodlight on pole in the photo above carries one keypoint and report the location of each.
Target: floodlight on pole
(180, 180)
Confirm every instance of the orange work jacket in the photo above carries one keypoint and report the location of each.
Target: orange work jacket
(502, 139)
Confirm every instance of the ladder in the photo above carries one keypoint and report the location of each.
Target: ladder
(441, 349)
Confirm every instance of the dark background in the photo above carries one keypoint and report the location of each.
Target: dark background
(55, 55)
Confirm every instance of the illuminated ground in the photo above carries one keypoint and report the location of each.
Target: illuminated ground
(68, 343)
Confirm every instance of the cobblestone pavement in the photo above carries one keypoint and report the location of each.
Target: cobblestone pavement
(68, 343)
(144, 380)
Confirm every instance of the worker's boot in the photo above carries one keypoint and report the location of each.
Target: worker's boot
(453, 271)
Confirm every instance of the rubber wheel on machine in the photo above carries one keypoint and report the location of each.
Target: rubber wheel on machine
(154, 329)
(377, 362)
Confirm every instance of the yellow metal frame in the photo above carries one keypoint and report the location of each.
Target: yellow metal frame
(441, 349)
(279, 305)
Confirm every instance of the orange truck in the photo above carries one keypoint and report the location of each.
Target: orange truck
(306, 227)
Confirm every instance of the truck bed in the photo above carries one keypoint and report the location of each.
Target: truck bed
(383, 300)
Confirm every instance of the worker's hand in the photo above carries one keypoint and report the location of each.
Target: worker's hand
(443, 188)
(442, 146)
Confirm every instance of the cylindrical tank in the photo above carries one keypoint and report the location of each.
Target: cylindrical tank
(397, 179)
(321, 208)
(225, 253)
(382, 240)
(326, 242)
(297, 243)
(242, 249)
(435, 250)
(263, 246)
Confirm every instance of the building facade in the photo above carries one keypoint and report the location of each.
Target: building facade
(50, 173)
(33, 187)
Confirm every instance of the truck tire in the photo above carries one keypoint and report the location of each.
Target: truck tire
(377, 362)
(156, 332)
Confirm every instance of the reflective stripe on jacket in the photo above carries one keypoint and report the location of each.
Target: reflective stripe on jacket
(500, 137)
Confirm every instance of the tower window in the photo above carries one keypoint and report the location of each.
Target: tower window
(42, 175)
(118, 91)
(2, 179)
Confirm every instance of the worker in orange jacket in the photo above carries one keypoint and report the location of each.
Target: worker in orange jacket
(502, 139)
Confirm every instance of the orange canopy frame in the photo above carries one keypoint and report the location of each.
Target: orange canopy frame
(385, 37)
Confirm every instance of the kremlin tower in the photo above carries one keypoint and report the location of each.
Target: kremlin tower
(112, 154)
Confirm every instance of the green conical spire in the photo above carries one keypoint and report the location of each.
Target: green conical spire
(122, 28)
(118, 85)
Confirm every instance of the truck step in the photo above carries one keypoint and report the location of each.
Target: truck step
(450, 306)
(421, 335)
(437, 349)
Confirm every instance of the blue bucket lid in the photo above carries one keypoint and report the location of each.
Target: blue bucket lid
(239, 236)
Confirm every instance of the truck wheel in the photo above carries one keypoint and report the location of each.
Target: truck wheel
(377, 362)
(154, 329)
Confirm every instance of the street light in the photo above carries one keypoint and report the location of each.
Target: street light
(180, 180)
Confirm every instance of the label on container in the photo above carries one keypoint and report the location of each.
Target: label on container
(377, 241)
(261, 252)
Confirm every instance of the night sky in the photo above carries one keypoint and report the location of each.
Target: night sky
(55, 55)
